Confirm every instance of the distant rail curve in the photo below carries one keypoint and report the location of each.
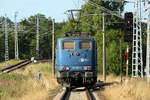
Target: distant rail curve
(15, 66)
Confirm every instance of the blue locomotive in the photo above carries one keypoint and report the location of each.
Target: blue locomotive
(76, 60)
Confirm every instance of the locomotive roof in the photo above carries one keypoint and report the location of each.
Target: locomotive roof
(76, 35)
(76, 38)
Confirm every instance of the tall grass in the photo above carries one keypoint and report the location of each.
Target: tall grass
(39, 89)
(11, 86)
(130, 89)
(23, 85)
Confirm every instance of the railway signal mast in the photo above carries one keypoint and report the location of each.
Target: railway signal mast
(6, 40)
(128, 34)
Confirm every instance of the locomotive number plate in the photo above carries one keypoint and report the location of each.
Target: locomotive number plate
(77, 68)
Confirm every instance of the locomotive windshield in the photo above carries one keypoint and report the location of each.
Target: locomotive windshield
(85, 45)
(68, 45)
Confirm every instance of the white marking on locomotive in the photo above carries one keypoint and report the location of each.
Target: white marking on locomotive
(83, 60)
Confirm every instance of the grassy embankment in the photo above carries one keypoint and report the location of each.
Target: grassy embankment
(130, 89)
(23, 85)
(11, 62)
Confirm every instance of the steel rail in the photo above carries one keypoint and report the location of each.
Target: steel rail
(66, 94)
(20, 66)
(90, 95)
(16, 66)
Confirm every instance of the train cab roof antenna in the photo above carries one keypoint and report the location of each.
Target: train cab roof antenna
(75, 15)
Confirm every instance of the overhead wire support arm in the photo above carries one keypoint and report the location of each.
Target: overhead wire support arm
(95, 15)
(71, 12)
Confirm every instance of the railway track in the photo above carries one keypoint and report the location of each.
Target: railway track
(90, 95)
(66, 94)
(15, 66)
(76, 94)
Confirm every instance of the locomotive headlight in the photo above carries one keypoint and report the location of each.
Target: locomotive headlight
(85, 68)
(67, 68)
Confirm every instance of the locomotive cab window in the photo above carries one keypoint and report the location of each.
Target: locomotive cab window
(85, 45)
(68, 45)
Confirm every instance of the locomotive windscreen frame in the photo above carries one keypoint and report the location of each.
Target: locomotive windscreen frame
(68, 45)
(85, 45)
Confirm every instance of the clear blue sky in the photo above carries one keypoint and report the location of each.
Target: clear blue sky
(52, 8)
(26, 8)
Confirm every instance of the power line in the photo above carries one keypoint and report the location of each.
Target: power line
(104, 9)
(77, 3)
(90, 25)
(28, 30)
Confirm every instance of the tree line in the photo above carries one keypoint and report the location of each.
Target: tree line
(27, 37)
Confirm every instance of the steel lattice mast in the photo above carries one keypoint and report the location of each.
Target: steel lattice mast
(6, 40)
(148, 45)
(37, 39)
(137, 56)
